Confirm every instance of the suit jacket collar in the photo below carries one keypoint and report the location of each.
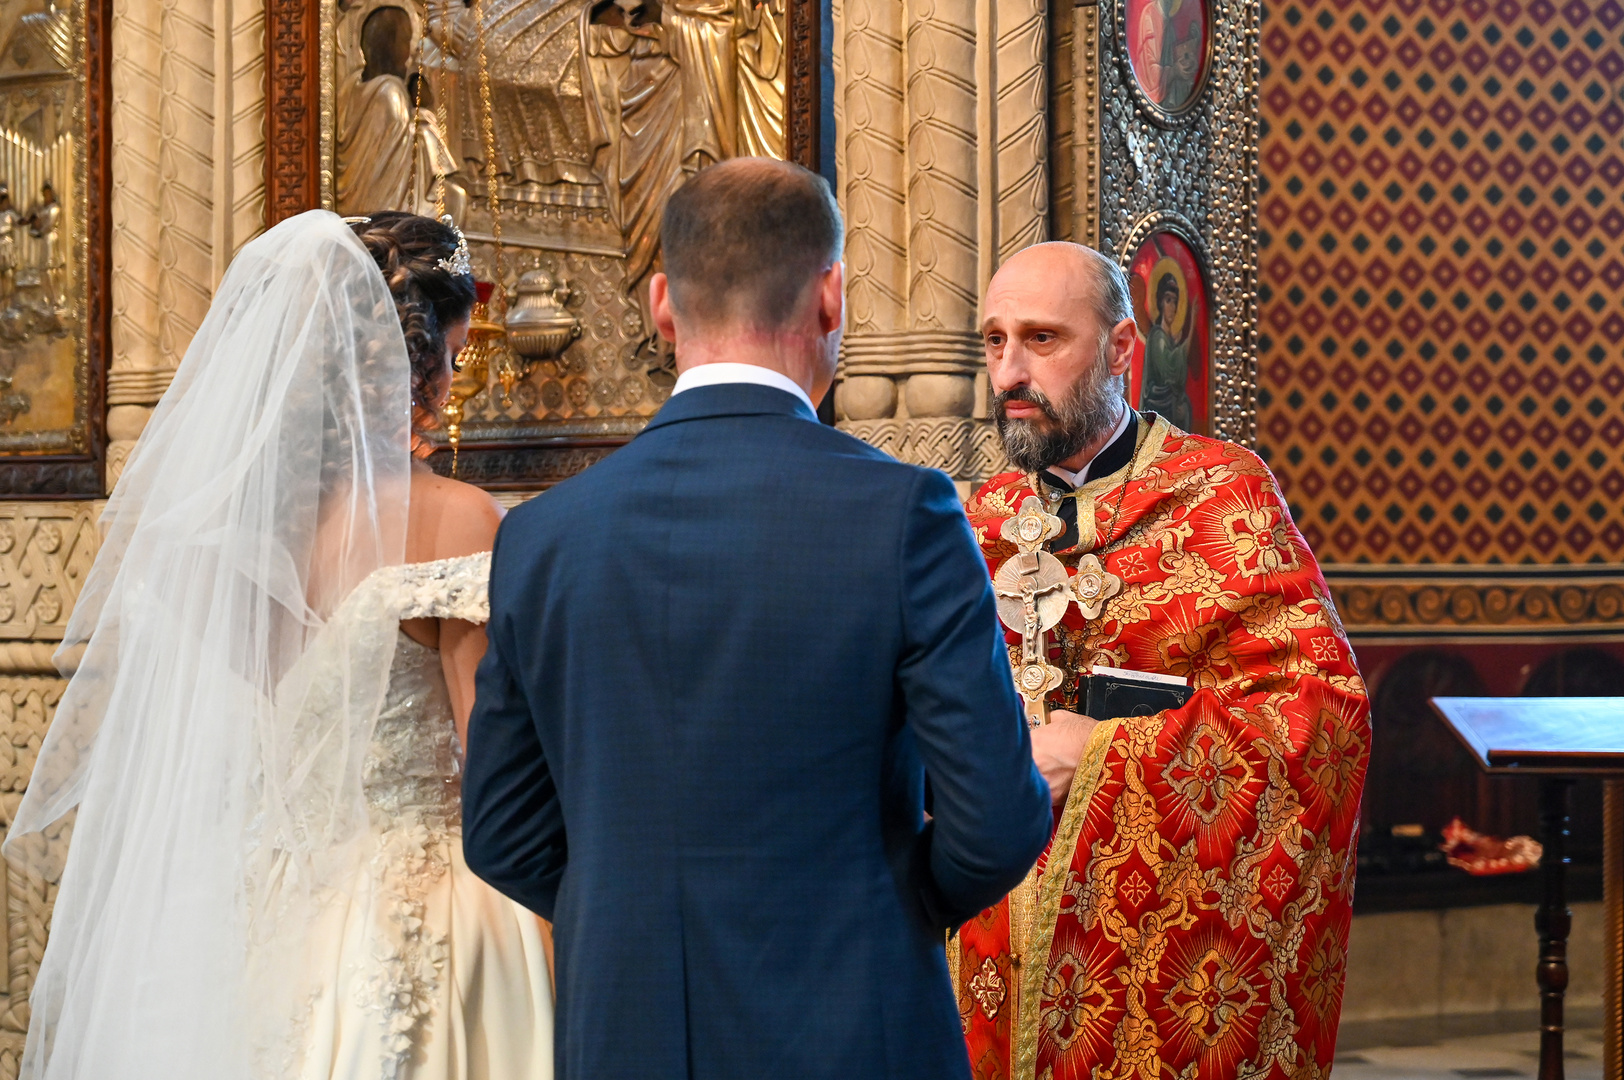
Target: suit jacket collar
(730, 399)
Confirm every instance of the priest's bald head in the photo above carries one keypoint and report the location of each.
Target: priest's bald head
(752, 273)
(1057, 326)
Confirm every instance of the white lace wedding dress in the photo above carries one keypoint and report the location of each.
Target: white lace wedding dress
(434, 975)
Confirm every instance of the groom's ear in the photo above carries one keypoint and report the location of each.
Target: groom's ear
(832, 299)
(659, 306)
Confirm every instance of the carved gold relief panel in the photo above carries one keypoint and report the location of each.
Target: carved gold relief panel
(552, 131)
(53, 246)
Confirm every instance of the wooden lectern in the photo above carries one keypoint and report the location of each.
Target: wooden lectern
(1558, 739)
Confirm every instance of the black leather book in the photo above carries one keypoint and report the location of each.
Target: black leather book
(1110, 693)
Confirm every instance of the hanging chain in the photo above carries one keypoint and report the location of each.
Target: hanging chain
(418, 185)
(445, 130)
(488, 122)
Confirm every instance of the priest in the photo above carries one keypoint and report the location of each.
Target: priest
(1190, 916)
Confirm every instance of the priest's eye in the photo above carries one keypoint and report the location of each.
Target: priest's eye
(995, 341)
(1043, 337)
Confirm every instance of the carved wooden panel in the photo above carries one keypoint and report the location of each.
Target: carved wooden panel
(55, 96)
(292, 108)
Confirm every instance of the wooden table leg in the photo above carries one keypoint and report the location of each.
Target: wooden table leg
(1554, 921)
(1613, 929)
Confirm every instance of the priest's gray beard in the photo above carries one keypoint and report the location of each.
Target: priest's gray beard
(1087, 412)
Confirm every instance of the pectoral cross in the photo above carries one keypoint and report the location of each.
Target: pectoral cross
(1032, 593)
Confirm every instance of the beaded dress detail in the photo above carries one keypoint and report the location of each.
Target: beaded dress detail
(437, 977)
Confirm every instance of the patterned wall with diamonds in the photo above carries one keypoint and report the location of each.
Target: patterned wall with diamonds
(1442, 277)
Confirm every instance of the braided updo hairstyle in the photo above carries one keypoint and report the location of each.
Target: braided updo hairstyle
(429, 300)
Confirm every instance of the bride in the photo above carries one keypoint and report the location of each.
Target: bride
(262, 735)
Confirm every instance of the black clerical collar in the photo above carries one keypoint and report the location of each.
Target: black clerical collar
(1113, 458)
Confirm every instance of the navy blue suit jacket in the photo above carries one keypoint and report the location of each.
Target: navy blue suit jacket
(723, 663)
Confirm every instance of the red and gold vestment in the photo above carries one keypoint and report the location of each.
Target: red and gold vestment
(1190, 918)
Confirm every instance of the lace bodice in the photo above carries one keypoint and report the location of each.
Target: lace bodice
(411, 769)
(410, 782)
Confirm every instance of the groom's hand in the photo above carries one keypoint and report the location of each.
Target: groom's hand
(1058, 746)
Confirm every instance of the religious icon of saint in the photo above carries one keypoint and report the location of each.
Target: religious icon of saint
(392, 152)
(1170, 374)
(1167, 48)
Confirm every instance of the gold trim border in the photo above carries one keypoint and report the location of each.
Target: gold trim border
(1045, 893)
(1087, 192)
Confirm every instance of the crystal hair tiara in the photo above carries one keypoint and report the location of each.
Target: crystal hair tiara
(458, 264)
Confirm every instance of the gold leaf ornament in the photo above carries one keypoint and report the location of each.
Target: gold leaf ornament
(1035, 680)
(1093, 585)
(1033, 527)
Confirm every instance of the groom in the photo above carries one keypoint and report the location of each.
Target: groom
(728, 668)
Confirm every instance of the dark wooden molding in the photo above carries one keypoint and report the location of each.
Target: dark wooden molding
(82, 475)
(803, 103)
(293, 108)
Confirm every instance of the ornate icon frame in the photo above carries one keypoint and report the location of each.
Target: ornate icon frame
(79, 472)
(1171, 221)
(1130, 169)
(1188, 112)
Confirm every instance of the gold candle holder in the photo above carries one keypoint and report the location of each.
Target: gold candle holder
(470, 374)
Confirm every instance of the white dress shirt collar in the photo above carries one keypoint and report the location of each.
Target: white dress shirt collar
(1080, 477)
(718, 373)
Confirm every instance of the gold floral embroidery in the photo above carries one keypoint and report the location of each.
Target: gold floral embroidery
(1333, 756)
(1188, 573)
(990, 502)
(1071, 1000)
(1324, 648)
(1279, 883)
(1269, 616)
(1322, 977)
(1131, 564)
(1201, 655)
(1211, 997)
(1208, 773)
(1130, 606)
(989, 989)
(1261, 539)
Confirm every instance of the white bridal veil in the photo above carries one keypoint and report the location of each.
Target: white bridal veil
(212, 738)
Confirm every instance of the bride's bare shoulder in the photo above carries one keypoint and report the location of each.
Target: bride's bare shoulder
(449, 518)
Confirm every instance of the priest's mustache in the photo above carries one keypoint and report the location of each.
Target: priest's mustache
(1030, 395)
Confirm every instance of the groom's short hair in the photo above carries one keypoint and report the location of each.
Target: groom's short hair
(742, 240)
